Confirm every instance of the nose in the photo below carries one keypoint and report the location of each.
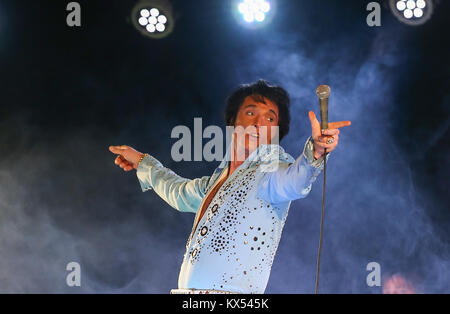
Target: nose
(258, 121)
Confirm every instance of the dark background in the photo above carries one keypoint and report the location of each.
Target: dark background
(69, 93)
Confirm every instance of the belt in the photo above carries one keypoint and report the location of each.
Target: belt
(200, 291)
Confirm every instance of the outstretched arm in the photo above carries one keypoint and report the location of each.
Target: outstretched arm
(295, 181)
(183, 194)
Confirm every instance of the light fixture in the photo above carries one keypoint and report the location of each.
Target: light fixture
(153, 18)
(412, 12)
(253, 13)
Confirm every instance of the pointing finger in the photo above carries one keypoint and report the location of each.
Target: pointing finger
(117, 149)
(339, 124)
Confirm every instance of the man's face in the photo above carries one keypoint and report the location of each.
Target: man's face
(256, 116)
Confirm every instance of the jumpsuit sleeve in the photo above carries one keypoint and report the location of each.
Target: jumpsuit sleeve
(293, 181)
(185, 195)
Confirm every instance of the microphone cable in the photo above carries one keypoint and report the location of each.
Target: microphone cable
(321, 219)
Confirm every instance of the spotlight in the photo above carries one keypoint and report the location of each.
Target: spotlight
(412, 12)
(253, 13)
(153, 18)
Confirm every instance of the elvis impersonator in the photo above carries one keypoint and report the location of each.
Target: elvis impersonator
(240, 209)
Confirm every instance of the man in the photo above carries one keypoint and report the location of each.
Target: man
(242, 207)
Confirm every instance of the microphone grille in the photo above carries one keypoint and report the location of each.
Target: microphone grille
(323, 91)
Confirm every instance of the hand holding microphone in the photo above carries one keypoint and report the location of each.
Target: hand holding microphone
(325, 135)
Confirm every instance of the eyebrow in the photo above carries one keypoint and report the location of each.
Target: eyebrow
(251, 105)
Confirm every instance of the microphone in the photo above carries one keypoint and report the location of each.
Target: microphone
(323, 92)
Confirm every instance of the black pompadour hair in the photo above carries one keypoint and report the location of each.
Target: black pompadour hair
(258, 90)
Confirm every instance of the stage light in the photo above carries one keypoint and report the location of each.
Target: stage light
(412, 12)
(254, 10)
(153, 18)
(253, 13)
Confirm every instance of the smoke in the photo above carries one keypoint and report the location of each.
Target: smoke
(63, 200)
(372, 212)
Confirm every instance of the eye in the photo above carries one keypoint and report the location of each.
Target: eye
(250, 113)
(271, 118)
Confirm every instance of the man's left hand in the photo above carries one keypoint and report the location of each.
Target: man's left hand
(328, 138)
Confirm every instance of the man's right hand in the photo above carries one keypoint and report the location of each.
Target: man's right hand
(128, 158)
